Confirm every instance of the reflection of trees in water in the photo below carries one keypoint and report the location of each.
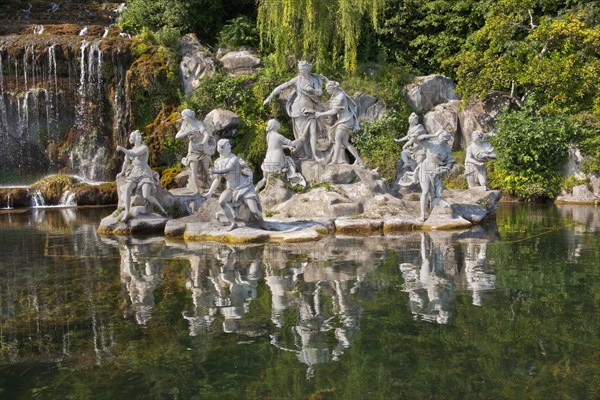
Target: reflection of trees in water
(54, 300)
(431, 281)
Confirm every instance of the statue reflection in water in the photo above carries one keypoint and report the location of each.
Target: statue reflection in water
(323, 299)
(431, 286)
(478, 280)
(140, 275)
(222, 284)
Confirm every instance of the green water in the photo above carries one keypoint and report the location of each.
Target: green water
(505, 311)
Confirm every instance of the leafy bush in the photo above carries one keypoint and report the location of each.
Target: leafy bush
(375, 142)
(531, 152)
(239, 32)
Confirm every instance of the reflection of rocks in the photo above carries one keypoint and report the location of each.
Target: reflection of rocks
(587, 218)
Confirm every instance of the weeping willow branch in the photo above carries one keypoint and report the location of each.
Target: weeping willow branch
(325, 31)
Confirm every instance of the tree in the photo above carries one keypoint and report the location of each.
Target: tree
(552, 59)
(328, 31)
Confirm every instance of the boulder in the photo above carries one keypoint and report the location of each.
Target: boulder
(241, 62)
(426, 92)
(445, 116)
(274, 194)
(480, 115)
(574, 162)
(369, 108)
(318, 203)
(196, 63)
(222, 123)
(581, 194)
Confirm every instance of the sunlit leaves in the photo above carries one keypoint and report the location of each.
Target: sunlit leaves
(328, 32)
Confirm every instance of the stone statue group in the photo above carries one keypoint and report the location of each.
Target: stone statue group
(425, 158)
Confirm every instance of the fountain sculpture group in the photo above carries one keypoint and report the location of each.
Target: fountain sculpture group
(346, 197)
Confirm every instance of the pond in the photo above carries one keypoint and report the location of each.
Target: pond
(502, 311)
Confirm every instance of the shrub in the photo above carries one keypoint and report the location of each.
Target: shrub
(375, 142)
(531, 151)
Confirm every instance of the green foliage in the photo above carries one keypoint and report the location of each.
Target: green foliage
(167, 177)
(205, 18)
(571, 181)
(327, 31)
(531, 151)
(375, 142)
(552, 59)
(243, 95)
(239, 32)
(428, 34)
(382, 81)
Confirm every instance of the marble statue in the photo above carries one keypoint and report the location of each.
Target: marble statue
(412, 152)
(239, 200)
(344, 108)
(478, 152)
(276, 162)
(138, 175)
(302, 105)
(200, 148)
(437, 163)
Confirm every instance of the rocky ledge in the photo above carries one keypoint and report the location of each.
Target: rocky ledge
(354, 201)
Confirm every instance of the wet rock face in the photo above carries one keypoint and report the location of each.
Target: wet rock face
(61, 70)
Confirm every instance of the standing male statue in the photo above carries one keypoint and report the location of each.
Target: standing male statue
(344, 108)
(437, 163)
(302, 105)
(200, 148)
(239, 197)
(478, 152)
(137, 174)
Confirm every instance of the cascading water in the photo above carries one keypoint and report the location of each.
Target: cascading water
(37, 200)
(55, 89)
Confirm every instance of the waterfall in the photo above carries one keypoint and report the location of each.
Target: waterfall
(67, 199)
(37, 200)
(8, 206)
(54, 98)
(88, 158)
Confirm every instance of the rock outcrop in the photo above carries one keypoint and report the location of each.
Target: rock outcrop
(426, 92)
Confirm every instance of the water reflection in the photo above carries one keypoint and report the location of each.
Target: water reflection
(447, 260)
(143, 316)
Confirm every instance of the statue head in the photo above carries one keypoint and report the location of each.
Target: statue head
(413, 119)
(304, 65)
(135, 136)
(478, 136)
(332, 86)
(187, 113)
(444, 135)
(224, 146)
(273, 125)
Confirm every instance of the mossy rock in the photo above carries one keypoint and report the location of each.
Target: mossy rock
(167, 179)
(53, 187)
(104, 194)
(15, 198)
